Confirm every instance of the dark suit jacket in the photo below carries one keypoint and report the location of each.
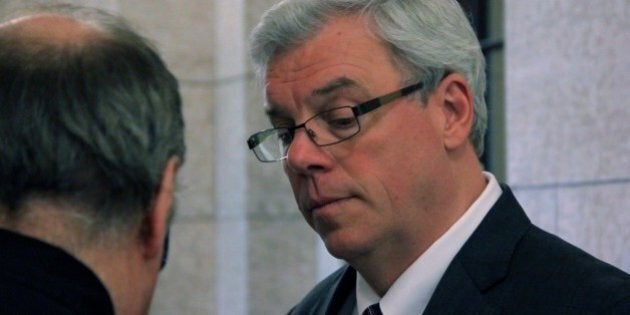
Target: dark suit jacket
(38, 278)
(507, 266)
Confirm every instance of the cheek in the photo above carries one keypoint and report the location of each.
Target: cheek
(293, 180)
(410, 144)
(298, 184)
(404, 161)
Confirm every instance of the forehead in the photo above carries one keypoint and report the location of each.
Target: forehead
(344, 49)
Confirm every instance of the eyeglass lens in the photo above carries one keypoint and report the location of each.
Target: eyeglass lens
(326, 128)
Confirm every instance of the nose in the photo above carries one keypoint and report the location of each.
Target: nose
(304, 155)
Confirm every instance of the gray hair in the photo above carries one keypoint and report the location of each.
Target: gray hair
(90, 124)
(427, 39)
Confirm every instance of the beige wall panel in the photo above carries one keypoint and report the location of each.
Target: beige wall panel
(183, 30)
(597, 219)
(186, 284)
(567, 98)
(567, 104)
(281, 263)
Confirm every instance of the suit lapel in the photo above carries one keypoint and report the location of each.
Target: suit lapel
(341, 299)
(483, 261)
(457, 294)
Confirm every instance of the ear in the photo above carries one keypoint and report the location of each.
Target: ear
(458, 109)
(155, 224)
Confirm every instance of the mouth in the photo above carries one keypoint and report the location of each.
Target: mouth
(324, 203)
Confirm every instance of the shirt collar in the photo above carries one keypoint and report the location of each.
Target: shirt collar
(412, 291)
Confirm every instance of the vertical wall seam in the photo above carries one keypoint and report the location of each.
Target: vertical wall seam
(230, 180)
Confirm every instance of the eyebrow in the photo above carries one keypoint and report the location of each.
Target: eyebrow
(329, 88)
(333, 86)
(273, 112)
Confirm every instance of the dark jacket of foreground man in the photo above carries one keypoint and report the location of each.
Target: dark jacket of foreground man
(37, 278)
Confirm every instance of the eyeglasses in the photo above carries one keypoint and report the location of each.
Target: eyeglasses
(326, 128)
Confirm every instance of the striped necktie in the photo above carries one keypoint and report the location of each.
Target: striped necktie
(374, 309)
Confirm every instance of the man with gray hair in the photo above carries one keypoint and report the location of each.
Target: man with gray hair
(378, 117)
(91, 137)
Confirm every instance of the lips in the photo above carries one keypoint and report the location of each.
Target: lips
(315, 204)
(314, 194)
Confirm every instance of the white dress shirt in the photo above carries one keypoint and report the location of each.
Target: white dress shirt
(411, 292)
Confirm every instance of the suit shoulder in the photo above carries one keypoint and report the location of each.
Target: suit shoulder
(560, 254)
(561, 268)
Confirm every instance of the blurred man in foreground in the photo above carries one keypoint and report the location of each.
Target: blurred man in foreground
(91, 137)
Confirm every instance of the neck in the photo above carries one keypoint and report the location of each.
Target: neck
(116, 260)
(129, 284)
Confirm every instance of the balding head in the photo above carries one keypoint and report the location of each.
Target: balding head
(47, 34)
(50, 28)
(91, 131)
(90, 115)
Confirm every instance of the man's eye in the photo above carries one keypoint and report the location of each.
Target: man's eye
(339, 118)
(342, 122)
(285, 137)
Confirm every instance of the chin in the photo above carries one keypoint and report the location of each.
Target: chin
(345, 246)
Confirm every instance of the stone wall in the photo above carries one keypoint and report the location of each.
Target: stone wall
(568, 112)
